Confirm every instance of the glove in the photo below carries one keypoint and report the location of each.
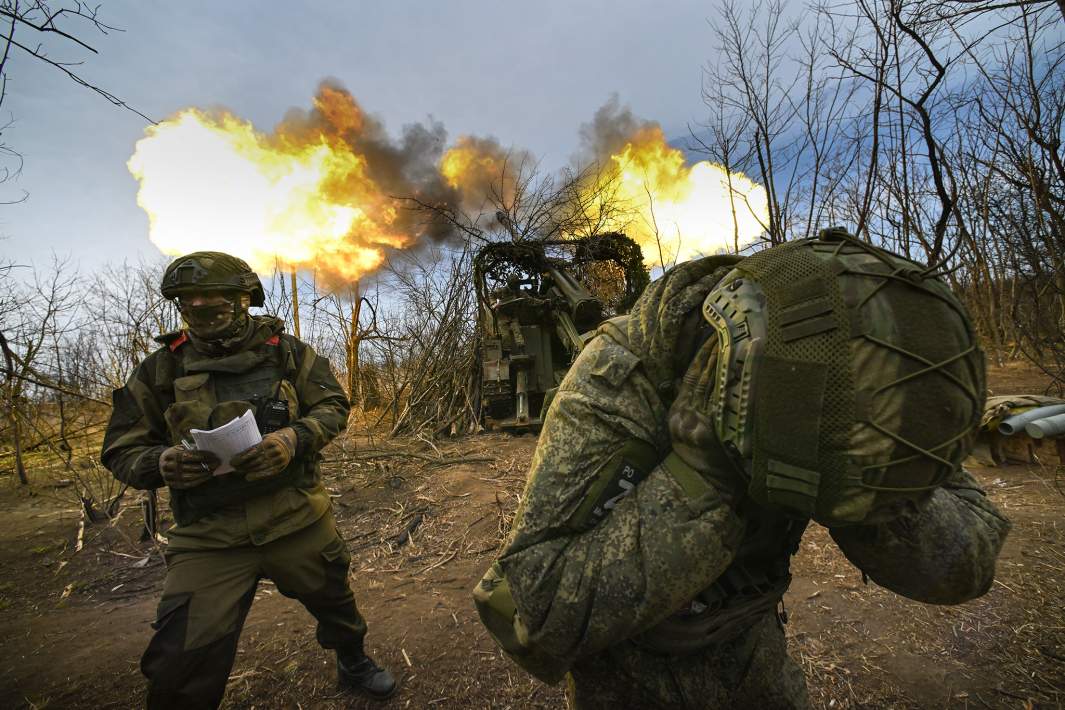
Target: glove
(269, 457)
(691, 425)
(186, 468)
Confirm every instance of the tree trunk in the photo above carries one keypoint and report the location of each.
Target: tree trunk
(16, 431)
(11, 393)
(295, 307)
(354, 379)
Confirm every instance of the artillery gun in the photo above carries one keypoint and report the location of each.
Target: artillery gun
(538, 302)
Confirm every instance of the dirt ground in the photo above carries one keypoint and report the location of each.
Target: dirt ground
(423, 522)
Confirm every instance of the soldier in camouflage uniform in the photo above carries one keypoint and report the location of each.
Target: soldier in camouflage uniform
(270, 518)
(642, 568)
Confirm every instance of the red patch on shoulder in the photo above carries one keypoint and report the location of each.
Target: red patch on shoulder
(174, 345)
(273, 340)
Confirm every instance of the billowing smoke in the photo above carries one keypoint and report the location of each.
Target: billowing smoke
(327, 190)
(612, 128)
(484, 173)
(403, 169)
(675, 210)
(330, 191)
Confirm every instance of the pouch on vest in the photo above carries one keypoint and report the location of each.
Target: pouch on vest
(273, 415)
(193, 401)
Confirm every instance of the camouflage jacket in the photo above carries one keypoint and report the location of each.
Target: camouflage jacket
(145, 419)
(579, 591)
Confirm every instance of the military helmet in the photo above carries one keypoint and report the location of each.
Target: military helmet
(849, 378)
(211, 271)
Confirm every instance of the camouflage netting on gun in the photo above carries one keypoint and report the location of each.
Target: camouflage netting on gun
(584, 257)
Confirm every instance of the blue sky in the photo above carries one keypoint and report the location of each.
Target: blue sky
(527, 73)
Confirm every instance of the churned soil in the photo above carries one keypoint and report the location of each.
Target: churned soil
(423, 522)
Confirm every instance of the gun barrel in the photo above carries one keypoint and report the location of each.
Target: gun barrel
(585, 308)
(569, 333)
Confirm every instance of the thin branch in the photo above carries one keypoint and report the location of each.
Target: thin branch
(77, 79)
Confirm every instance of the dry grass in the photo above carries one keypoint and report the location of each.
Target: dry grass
(862, 646)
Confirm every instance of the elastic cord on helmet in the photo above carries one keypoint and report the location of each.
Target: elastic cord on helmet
(912, 278)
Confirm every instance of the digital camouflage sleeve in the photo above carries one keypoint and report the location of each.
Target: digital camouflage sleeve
(579, 591)
(942, 552)
(137, 432)
(570, 590)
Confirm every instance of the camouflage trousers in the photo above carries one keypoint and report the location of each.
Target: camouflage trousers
(751, 671)
(207, 596)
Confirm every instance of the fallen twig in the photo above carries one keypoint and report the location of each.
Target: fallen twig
(443, 561)
(411, 526)
(81, 533)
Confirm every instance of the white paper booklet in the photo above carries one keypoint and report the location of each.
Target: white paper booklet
(228, 440)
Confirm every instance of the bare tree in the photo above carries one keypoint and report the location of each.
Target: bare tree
(33, 29)
(39, 314)
(432, 352)
(31, 23)
(129, 313)
(931, 127)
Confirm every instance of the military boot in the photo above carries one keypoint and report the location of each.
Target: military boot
(358, 671)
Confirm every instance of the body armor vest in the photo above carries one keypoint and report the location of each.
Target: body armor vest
(208, 392)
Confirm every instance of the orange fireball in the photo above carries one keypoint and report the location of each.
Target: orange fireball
(680, 211)
(300, 199)
(674, 210)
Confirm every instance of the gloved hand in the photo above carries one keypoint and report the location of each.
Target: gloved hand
(269, 457)
(691, 425)
(186, 468)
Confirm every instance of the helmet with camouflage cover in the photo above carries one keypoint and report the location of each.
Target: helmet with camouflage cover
(849, 379)
(211, 271)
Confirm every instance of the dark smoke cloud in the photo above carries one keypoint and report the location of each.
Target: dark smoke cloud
(610, 129)
(404, 168)
(493, 175)
(409, 167)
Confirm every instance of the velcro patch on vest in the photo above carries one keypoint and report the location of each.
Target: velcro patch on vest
(788, 410)
(805, 290)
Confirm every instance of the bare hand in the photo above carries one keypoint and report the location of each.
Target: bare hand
(186, 468)
(269, 457)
